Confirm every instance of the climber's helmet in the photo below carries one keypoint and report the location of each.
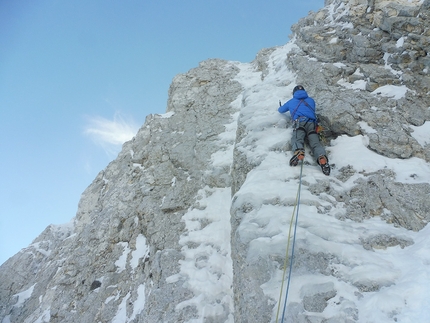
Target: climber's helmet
(298, 87)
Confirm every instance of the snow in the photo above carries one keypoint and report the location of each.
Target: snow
(335, 14)
(270, 191)
(355, 153)
(24, 295)
(422, 134)
(224, 156)
(388, 66)
(357, 85)
(141, 251)
(364, 126)
(122, 260)
(121, 313)
(139, 303)
(339, 65)
(45, 317)
(207, 268)
(166, 115)
(138, 306)
(392, 91)
(400, 42)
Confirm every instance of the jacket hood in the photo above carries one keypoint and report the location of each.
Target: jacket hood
(300, 94)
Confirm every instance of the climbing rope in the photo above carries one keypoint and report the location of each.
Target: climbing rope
(296, 212)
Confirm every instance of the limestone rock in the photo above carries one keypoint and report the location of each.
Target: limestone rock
(190, 222)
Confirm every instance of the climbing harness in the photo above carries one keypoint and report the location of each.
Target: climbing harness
(304, 118)
(297, 121)
(296, 212)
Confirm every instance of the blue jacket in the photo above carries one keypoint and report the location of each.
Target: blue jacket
(298, 108)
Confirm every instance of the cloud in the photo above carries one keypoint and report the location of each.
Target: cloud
(110, 134)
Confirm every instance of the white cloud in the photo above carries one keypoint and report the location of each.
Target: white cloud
(110, 134)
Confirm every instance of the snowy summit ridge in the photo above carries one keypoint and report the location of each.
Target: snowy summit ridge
(190, 223)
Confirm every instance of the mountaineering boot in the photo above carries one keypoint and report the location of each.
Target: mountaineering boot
(325, 166)
(299, 154)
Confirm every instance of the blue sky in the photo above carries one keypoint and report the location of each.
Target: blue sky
(79, 77)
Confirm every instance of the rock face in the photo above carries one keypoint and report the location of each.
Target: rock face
(142, 246)
(379, 43)
(127, 231)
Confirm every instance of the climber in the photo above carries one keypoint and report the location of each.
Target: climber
(302, 110)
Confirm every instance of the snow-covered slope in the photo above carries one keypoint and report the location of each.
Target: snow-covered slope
(191, 222)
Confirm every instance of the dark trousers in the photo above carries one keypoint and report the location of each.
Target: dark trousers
(305, 129)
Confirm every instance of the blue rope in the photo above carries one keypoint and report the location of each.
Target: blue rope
(294, 242)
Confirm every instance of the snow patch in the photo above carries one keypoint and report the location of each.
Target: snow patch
(139, 303)
(207, 266)
(400, 42)
(122, 261)
(368, 129)
(422, 134)
(333, 40)
(24, 295)
(388, 66)
(166, 115)
(355, 153)
(121, 313)
(141, 252)
(392, 91)
(357, 85)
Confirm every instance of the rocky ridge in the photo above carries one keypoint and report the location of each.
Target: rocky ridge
(135, 252)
